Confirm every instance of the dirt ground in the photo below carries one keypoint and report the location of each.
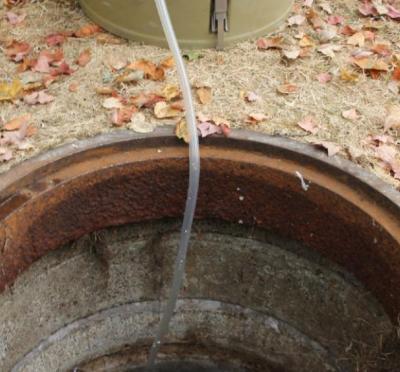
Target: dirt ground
(243, 68)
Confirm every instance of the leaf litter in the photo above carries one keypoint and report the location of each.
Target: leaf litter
(328, 56)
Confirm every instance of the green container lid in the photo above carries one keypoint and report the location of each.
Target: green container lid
(138, 19)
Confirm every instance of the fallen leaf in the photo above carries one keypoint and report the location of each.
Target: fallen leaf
(181, 131)
(139, 124)
(207, 129)
(6, 154)
(335, 20)
(84, 58)
(315, 20)
(106, 91)
(73, 87)
(171, 92)
(324, 77)
(287, 88)
(358, 39)
(63, 69)
(396, 74)
(351, 114)
(381, 49)
(105, 38)
(251, 97)
(168, 62)
(42, 64)
(388, 155)
(38, 98)
(329, 49)
(255, 118)
(123, 115)
(112, 103)
(331, 148)
(309, 124)
(291, 54)
(392, 119)
(348, 76)
(10, 91)
(17, 122)
(130, 77)
(270, 43)
(327, 33)
(150, 70)
(55, 39)
(17, 50)
(147, 100)
(163, 110)
(14, 18)
(306, 41)
(371, 64)
(204, 94)
(296, 20)
(88, 30)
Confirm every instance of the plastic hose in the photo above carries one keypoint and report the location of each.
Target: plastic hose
(194, 178)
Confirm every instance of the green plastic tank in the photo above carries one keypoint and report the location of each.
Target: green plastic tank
(197, 23)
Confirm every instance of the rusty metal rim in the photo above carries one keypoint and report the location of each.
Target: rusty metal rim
(41, 200)
(240, 138)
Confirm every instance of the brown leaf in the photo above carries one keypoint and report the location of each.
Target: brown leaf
(309, 124)
(147, 100)
(331, 148)
(88, 30)
(123, 115)
(255, 118)
(17, 122)
(204, 94)
(270, 43)
(151, 71)
(287, 88)
(17, 50)
(371, 64)
(168, 63)
(84, 58)
(56, 39)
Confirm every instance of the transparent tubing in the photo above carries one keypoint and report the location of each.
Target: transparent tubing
(194, 177)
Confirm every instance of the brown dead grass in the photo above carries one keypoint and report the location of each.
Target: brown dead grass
(242, 68)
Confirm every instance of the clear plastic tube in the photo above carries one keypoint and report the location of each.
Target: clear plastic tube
(194, 178)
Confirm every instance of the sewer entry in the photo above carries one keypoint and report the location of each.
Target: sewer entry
(278, 278)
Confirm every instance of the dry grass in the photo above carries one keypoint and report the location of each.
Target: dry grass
(242, 68)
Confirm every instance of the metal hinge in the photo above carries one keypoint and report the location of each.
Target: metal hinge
(219, 21)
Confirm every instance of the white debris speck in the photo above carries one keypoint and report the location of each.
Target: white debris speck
(305, 186)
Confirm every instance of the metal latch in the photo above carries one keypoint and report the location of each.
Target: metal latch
(219, 21)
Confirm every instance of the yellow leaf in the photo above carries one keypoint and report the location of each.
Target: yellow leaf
(10, 91)
(347, 75)
(181, 131)
(170, 92)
